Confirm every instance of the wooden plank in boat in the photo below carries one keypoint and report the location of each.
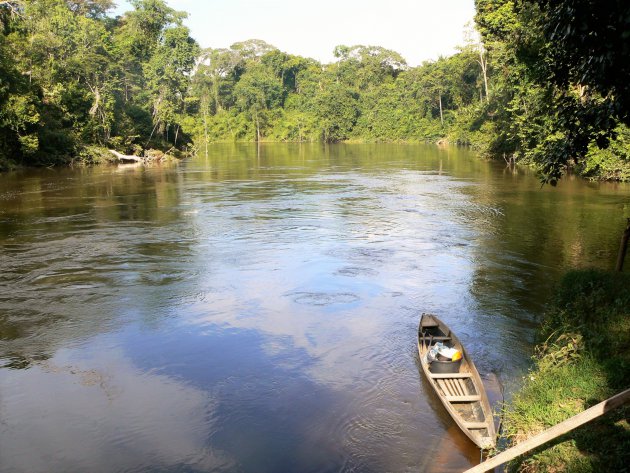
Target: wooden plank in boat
(444, 387)
(454, 387)
(471, 398)
(449, 375)
(476, 425)
(464, 386)
(429, 324)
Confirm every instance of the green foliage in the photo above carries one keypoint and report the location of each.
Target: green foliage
(588, 44)
(336, 109)
(612, 163)
(73, 79)
(368, 94)
(559, 84)
(535, 84)
(583, 358)
(365, 67)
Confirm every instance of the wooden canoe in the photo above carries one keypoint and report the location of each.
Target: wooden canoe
(462, 393)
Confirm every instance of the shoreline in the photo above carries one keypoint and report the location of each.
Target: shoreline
(582, 357)
(101, 155)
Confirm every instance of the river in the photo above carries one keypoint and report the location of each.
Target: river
(256, 310)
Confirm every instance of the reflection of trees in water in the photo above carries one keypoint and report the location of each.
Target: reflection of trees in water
(540, 233)
(272, 162)
(80, 249)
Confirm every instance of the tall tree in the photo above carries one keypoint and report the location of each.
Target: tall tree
(167, 77)
(256, 93)
(585, 56)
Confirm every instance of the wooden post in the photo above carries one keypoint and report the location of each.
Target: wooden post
(554, 432)
(623, 248)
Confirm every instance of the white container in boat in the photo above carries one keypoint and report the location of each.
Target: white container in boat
(448, 352)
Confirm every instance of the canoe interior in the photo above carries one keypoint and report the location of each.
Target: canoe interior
(462, 393)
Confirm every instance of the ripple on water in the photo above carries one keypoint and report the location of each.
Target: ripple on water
(370, 424)
(363, 254)
(354, 271)
(322, 298)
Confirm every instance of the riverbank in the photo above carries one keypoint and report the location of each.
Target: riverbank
(97, 155)
(606, 165)
(582, 358)
(610, 165)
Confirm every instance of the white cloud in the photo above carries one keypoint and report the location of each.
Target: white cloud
(115, 417)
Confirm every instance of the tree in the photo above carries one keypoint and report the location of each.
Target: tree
(588, 45)
(156, 55)
(337, 111)
(65, 56)
(475, 46)
(18, 111)
(90, 8)
(257, 92)
(167, 77)
(367, 66)
(559, 64)
(286, 67)
(217, 68)
(585, 56)
(252, 49)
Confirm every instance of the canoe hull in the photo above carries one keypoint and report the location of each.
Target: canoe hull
(462, 392)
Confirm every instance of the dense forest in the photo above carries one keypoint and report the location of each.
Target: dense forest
(74, 80)
(536, 82)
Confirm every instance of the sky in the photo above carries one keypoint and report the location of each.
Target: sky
(417, 29)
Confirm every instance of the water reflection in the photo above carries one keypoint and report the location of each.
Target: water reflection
(104, 415)
(78, 246)
(258, 309)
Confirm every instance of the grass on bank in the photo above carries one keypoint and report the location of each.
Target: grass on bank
(583, 357)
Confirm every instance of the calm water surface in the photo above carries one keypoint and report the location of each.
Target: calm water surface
(256, 310)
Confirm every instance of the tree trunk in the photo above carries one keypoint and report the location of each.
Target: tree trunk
(484, 69)
(441, 114)
(126, 157)
(205, 126)
(215, 89)
(623, 248)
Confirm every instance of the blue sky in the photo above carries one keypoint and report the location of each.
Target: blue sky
(417, 29)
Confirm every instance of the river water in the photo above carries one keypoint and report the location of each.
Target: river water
(256, 310)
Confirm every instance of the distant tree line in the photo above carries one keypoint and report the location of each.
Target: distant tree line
(540, 82)
(253, 91)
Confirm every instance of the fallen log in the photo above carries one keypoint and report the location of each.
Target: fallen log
(126, 157)
(554, 432)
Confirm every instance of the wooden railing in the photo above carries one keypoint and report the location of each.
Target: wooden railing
(553, 432)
